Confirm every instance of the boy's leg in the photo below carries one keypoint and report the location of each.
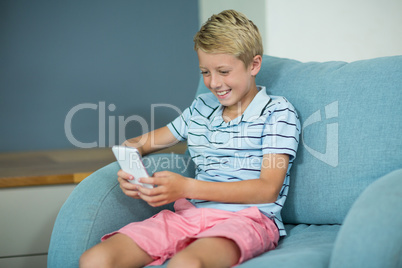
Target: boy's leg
(207, 252)
(117, 251)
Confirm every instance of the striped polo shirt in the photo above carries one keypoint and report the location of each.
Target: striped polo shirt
(233, 151)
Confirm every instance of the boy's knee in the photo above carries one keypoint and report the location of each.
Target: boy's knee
(185, 261)
(85, 259)
(88, 259)
(92, 258)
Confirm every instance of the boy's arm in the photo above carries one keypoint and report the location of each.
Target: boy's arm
(150, 142)
(172, 186)
(264, 189)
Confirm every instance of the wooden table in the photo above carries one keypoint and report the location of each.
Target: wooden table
(56, 167)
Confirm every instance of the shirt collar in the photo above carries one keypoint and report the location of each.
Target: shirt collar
(253, 111)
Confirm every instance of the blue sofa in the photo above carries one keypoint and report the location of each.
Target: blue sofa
(344, 208)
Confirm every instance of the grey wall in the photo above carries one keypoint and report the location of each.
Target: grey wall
(102, 59)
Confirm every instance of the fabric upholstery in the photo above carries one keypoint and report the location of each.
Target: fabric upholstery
(374, 224)
(350, 115)
(351, 125)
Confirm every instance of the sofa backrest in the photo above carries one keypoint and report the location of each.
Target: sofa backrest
(351, 116)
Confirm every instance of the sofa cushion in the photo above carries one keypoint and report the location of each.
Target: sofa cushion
(371, 234)
(350, 115)
(304, 246)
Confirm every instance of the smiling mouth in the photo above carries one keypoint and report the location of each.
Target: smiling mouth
(223, 93)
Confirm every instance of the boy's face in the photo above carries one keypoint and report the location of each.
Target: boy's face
(228, 79)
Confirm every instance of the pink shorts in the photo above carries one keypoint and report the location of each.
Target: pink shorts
(167, 232)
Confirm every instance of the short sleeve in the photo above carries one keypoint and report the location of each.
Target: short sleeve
(281, 130)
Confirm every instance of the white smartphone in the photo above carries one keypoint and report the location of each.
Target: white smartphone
(130, 161)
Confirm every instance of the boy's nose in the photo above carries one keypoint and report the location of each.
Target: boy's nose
(215, 82)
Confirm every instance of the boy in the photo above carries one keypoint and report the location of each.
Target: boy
(243, 143)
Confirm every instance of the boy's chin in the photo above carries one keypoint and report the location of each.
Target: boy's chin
(227, 103)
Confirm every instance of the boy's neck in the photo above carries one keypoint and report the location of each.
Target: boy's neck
(230, 113)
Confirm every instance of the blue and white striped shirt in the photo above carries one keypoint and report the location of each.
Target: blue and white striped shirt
(233, 151)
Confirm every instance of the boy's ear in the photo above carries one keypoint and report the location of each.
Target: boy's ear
(256, 65)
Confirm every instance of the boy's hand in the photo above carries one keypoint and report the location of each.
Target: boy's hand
(170, 187)
(128, 188)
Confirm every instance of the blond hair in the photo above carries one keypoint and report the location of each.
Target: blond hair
(230, 32)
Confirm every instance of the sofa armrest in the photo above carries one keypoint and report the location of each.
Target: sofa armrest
(371, 234)
(97, 206)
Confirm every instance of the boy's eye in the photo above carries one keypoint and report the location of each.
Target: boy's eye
(224, 72)
(204, 72)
